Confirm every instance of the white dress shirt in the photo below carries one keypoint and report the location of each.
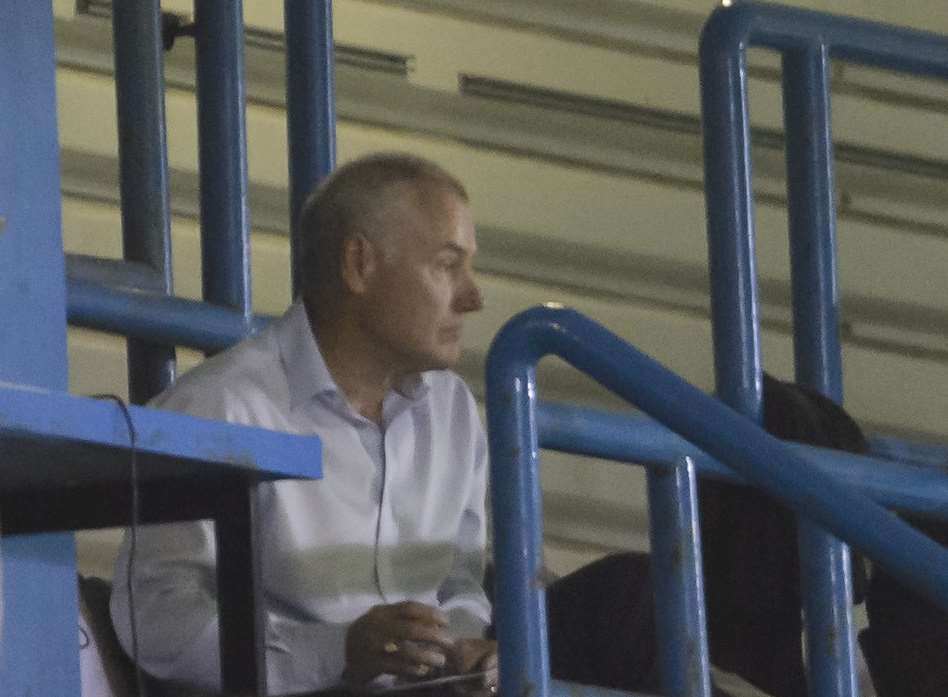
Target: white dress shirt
(398, 515)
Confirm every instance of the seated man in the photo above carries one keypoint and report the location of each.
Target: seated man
(374, 571)
(749, 547)
(907, 637)
(751, 576)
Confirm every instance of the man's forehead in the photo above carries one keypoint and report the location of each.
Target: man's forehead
(432, 198)
(431, 215)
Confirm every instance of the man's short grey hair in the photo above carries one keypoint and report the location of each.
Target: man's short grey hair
(357, 199)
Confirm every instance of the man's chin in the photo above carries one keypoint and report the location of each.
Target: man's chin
(447, 359)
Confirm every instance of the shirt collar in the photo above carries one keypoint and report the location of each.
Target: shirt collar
(306, 370)
(414, 387)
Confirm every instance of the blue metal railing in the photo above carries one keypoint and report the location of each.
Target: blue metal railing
(130, 297)
(222, 150)
(143, 167)
(725, 113)
(907, 487)
(133, 297)
(807, 41)
(310, 106)
(786, 472)
(104, 297)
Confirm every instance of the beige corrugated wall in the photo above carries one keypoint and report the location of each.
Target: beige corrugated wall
(574, 126)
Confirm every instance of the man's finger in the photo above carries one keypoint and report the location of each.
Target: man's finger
(410, 609)
(402, 669)
(423, 634)
(414, 665)
(411, 629)
(423, 653)
(489, 662)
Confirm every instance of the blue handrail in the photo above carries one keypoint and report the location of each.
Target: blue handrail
(703, 420)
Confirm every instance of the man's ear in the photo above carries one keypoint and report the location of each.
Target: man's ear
(359, 262)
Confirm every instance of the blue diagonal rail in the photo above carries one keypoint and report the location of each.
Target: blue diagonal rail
(713, 427)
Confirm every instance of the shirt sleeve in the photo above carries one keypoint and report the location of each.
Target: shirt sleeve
(462, 594)
(176, 617)
(175, 599)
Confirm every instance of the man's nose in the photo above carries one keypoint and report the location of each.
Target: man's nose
(470, 298)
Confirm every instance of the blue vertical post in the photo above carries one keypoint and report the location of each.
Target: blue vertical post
(676, 580)
(310, 105)
(730, 215)
(39, 645)
(824, 561)
(812, 216)
(143, 169)
(225, 237)
(520, 609)
(222, 132)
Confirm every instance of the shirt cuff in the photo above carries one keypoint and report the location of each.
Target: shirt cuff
(304, 656)
(465, 624)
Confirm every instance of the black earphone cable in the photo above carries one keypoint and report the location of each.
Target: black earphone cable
(133, 535)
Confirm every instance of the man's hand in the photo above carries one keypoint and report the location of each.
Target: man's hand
(406, 639)
(474, 656)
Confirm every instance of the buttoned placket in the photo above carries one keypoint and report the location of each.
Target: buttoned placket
(372, 436)
(380, 443)
(396, 416)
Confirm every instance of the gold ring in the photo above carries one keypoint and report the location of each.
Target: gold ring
(390, 647)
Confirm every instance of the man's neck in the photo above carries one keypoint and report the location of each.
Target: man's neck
(351, 361)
